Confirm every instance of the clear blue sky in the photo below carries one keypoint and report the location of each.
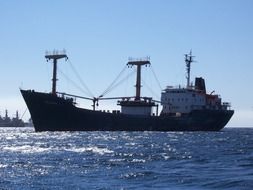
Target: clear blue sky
(99, 36)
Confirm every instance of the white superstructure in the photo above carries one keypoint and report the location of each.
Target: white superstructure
(178, 100)
(182, 100)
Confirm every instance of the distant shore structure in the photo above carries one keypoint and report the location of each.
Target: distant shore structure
(7, 121)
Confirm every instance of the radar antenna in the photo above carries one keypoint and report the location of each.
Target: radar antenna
(188, 61)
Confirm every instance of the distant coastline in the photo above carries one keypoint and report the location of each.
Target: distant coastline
(16, 121)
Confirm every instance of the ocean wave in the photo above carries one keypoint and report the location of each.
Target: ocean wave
(3, 165)
(134, 160)
(93, 149)
(25, 149)
(29, 149)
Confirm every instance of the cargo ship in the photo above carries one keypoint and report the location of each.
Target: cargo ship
(188, 108)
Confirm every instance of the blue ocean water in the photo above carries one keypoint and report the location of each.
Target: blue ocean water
(126, 160)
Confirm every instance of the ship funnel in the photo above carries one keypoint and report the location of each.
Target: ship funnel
(200, 84)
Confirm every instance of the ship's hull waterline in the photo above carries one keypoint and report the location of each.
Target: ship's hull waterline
(52, 113)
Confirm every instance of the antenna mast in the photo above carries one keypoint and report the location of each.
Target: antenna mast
(139, 63)
(188, 61)
(55, 55)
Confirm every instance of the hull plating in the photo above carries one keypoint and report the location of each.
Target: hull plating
(51, 113)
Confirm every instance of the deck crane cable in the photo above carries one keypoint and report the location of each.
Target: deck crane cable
(159, 84)
(89, 93)
(150, 89)
(117, 84)
(73, 83)
(113, 82)
(24, 113)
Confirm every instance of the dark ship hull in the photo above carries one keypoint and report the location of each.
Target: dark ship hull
(53, 113)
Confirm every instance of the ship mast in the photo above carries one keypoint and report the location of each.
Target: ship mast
(55, 55)
(188, 61)
(138, 63)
